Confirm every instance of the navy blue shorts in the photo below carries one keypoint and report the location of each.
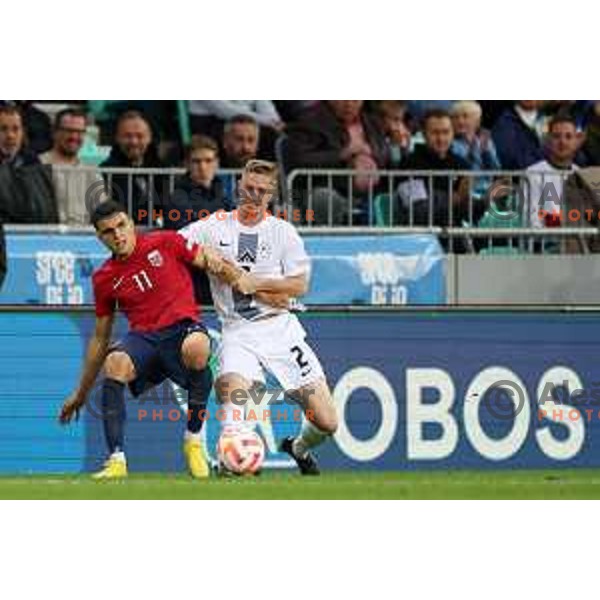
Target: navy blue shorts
(156, 355)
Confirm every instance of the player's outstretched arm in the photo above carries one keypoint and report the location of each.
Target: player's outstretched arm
(293, 286)
(96, 353)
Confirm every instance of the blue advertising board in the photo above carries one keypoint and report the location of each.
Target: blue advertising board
(483, 390)
(395, 269)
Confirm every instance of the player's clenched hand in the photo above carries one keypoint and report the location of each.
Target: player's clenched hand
(222, 268)
(213, 261)
(71, 408)
(275, 299)
(246, 283)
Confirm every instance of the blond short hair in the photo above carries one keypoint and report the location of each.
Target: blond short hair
(262, 167)
(466, 106)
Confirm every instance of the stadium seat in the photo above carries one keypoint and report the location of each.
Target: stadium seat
(381, 210)
(281, 156)
(183, 117)
(500, 220)
(98, 109)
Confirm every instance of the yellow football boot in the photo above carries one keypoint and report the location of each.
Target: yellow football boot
(195, 459)
(114, 468)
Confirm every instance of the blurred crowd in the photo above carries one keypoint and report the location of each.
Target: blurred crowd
(50, 152)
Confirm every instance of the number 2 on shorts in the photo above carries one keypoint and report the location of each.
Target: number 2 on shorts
(301, 360)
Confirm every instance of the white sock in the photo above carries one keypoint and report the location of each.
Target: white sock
(120, 456)
(188, 435)
(310, 436)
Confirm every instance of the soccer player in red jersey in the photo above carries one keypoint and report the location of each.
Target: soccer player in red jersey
(148, 278)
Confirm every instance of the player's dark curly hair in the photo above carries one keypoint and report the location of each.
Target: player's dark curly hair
(104, 210)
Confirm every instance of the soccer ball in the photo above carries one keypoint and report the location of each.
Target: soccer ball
(240, 452)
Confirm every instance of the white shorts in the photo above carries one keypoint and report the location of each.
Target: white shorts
(276, 345)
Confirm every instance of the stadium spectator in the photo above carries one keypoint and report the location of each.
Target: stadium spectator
(583, 202)
(134, 148)
(210, 116)
(38, 129)
(473, 144)
(26, 191)
(591, 147)
(240, 144)
(337, 134)
(240, 141)
(546, 178)
(517, 134)
(161, 115)
(3, 261)
(13, 150)
(390, 115)
(435, 155)
(75, 188)
(199, 192)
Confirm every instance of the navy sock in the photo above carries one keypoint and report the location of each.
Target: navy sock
(113, 411)
(200, 385)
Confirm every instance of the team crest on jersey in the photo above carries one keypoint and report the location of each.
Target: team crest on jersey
(264, 250)
(155, 258)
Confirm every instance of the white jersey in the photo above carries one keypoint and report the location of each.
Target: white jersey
(271, 249)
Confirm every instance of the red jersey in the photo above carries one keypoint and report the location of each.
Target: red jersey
(153, 286)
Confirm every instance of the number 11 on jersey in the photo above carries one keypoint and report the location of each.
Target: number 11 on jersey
(142, 281)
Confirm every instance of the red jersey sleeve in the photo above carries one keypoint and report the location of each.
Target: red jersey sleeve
(105, 302)
(183, 249)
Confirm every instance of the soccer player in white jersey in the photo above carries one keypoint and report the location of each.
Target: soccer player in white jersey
(258, 330)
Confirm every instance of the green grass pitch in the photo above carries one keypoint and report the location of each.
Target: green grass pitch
(551, 484)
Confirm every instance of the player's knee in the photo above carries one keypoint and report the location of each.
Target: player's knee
(119, 366)
(326, 419)
(197, 361)
(196, 351)
(329, 425)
